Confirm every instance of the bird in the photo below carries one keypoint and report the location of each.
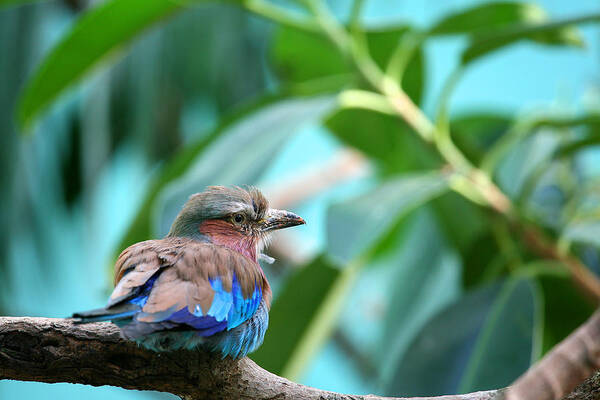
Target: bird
(201, 286)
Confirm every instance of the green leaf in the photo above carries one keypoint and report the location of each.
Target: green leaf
(489, 17)
(293, 312)
(524, 129)
(591, 137)
(560, 33)
(480, 260)
(425, 277)
(565, 308)
(508, 342)
(442, 346)
(583, 231)
(484, 341)
(515, 171)
(391, 144)
(301, 56)
(355, 226)
(474, 134)
(452, 210)
(592, 121)
(575, 146)
(253, 136)
(291, 49)
(7, 3)
(96, 35)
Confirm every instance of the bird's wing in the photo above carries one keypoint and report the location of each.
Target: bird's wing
(204, 286)
(138, 263)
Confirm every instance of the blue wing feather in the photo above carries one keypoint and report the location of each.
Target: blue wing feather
(227, 311)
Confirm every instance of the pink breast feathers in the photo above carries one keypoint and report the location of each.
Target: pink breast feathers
(223, 233)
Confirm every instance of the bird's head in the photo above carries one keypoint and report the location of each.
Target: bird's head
(239, 218)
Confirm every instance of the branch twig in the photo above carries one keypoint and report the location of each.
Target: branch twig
(544, 247)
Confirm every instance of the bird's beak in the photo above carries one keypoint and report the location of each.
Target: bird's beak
(279, 219)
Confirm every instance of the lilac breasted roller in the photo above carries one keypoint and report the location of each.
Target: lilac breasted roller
(201, 285)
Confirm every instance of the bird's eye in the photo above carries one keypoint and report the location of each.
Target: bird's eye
(238, 218)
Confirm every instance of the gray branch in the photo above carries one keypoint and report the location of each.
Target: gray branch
(56, 350)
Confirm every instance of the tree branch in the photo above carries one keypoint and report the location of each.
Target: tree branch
(56, 350)
(567, 365)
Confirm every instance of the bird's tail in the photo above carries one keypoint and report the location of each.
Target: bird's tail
(115, 313)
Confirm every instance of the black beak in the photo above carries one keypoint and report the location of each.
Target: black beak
(279, 219)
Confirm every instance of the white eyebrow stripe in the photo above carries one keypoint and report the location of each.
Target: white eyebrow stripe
(244, 208)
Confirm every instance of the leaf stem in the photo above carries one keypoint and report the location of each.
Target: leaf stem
(280, 15)
(403, 53)
(336, 32)
(355, 13)
(365, 99)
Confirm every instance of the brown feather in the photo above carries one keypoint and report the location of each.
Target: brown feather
(189, 265)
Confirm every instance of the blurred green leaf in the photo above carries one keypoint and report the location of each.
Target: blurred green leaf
(483, 341)
(521, 163)
(524, 155)
(527, 128)
(583, 231)
(474, 134)
(579, 224)
(589, 120)
(425, 277)
(97, 34)
(391, 144)
(6, 3)
(260, 127)
(565, 308)
(436, 359)
(559, 33)
(488, 17)
(452, 210)
(571, 148)
(356, 225)
(300, 56)
(591, 123)
(479, 260)
(293, 311)
(508, 342)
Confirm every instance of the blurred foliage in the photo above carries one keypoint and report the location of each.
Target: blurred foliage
(315, 278)
(481, 342)
(459, 301)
